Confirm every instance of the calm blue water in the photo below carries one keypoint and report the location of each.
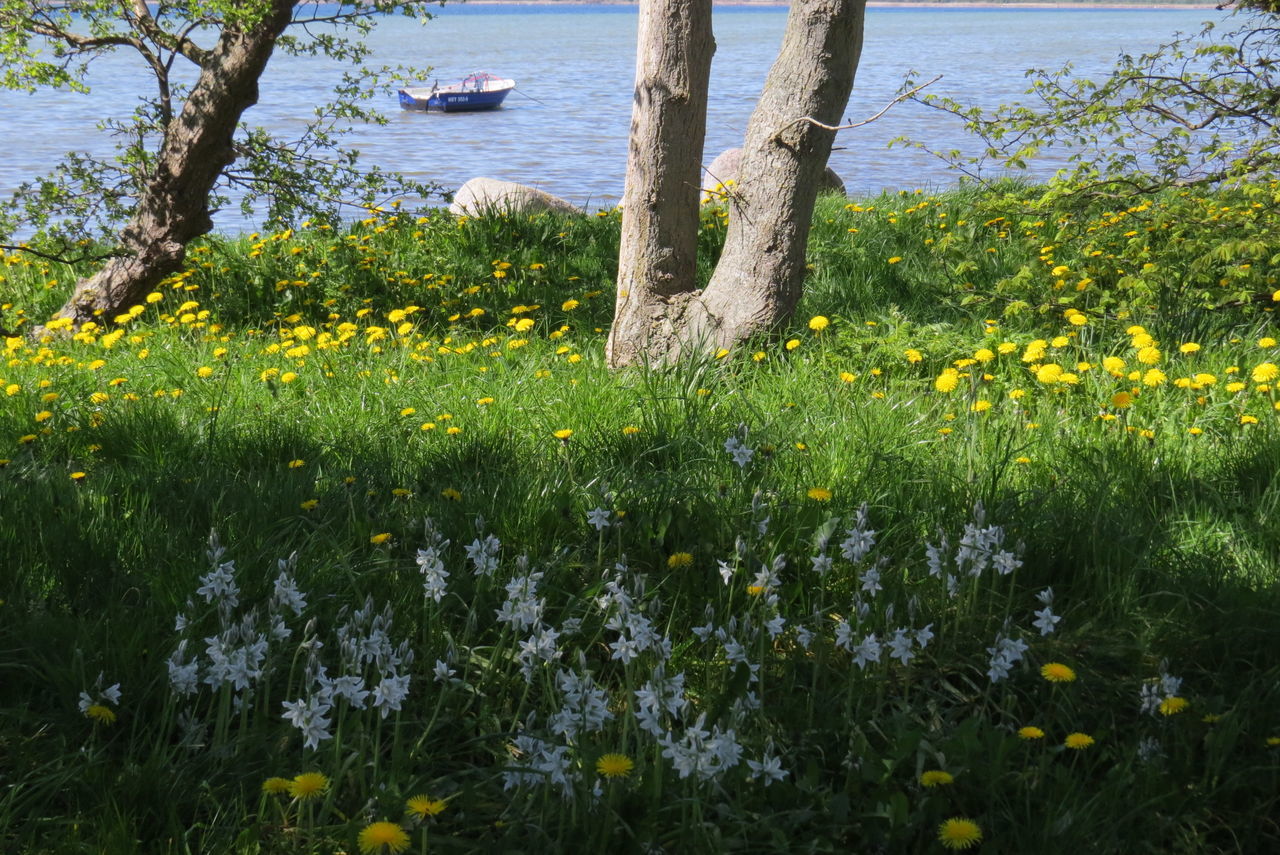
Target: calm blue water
(565, 128)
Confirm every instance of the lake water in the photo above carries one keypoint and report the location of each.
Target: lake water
(565, 127)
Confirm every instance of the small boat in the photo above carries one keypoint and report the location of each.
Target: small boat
(480, 91)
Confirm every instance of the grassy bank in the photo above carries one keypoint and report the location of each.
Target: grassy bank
(983, 546)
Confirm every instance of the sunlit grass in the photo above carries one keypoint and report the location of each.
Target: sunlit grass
(793, 528)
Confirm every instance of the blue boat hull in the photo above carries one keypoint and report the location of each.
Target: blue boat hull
(454, 102)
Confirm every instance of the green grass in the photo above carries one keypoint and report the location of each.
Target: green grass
(329, 355)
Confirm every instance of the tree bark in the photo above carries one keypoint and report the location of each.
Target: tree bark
(759, 277)
(173, 208)
(657, 270)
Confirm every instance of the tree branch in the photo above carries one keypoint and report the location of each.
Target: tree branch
(903, 97)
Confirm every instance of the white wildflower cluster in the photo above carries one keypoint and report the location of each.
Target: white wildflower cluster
(705, 754)
(236, 654)
(483, 551)
(1006, 653)
(1046, 621)
(430, 561)
(739, 450)
(538, 761)
(523, 610)
(660, 701)
(585, 707)
(367, 654)
(630, 616)
(981, 547)
(523, 607)
(859, 539)
(373, 673)
(1156, 691)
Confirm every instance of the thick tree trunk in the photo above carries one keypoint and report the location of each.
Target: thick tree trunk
(758, 279)
(173, 208)
(658, 257)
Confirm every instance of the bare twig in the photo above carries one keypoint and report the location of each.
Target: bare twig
(58, 258)
(903, 97)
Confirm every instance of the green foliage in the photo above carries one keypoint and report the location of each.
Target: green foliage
(310, 176)
(1200, 109)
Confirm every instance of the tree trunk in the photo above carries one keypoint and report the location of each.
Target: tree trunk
(657, 268)
(173, 207)
(758, 279)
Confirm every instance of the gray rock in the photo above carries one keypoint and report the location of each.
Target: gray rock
(725, 168)
(483, 195)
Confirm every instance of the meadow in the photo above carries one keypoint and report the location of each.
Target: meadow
(346, 540)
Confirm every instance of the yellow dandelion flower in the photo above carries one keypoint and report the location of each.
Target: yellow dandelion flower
(380, 837)
(1030, 732)
(204, 371)
(276, 786)
(819, 494)
(451, 494)
(614, 765)
(1078, 741)
(846, 377)
(1188, 347)
(1121, 400)
(818, 323)
(100, 714)
(308, 785)
(936, 778)
(423, 806)
(1266, 341)
(792, 344)
(380, 538)
(959, 833)
(1173, 705)
(1265, 373)
(309, 504)
(981, 406)
(895, 259)
(1049, 373)
(1056, 672)
(564, 433)
(630, 430)
(679, 559)
(947, 381)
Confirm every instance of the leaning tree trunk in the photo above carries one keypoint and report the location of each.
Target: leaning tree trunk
(173, 207)
(758, 279)
(657, 267)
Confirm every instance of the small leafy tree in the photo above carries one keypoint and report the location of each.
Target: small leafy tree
(1199, 109)
(183, 149)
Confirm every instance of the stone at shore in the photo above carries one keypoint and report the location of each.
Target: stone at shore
(725, 169)
(484, 195)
